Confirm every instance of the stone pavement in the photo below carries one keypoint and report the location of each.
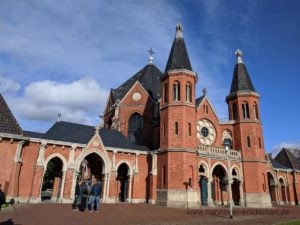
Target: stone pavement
(141, 214)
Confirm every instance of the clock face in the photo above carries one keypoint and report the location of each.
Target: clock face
(206, 132)
(136, 96)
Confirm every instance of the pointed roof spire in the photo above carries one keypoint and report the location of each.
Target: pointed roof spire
(241, 80)
(8, 123)
(178, 58)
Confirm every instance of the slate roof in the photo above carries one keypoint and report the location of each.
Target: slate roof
(276, 164)
(178, 58)
(32, 134)
(8, 123)
(79, 133)
(241, 80)
(286, 158)
(199, 100)
(149, 77)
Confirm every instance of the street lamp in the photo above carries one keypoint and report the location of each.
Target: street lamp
(229, 180)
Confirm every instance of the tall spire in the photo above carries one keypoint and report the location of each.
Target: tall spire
(178, 58)
(241, 80)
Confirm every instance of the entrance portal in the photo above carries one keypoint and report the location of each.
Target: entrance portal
(219, 185)
(52, 180)
(122, 177)
(272, 191)
(91, 167)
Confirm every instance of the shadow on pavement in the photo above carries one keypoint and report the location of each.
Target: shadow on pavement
(8, 222)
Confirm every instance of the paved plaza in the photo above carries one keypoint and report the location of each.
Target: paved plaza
(141, 214)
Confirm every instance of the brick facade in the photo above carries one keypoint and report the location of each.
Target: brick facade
(185, 162)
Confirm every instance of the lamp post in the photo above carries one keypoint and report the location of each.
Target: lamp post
(229, 181)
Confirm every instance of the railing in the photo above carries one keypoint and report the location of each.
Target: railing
(213, 152)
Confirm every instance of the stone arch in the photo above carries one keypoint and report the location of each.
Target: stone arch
(130, 168)
(205, 165)
(272, 183)
(238, 172)
(63, 159)
(215, 165)
(104, 157)
(52, 184)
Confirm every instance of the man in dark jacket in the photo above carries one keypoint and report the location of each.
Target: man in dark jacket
(95, 196)
(77, 196)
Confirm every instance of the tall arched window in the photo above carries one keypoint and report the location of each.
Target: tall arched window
(245, 108)
(165, 93)
(135, 128)
(176, 91)
(188, 92)
(248, 142)
(255, 111)
(234, 111)
(190, 129)
(176, 128)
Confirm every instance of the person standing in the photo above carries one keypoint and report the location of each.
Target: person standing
(2, 198)
(85, 195)
(77, 196)
(95, 196)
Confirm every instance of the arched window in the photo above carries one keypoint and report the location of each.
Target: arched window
(165, 93)
(176, 128)
(188, 92)
(136, 125)
(259, 142)
(245, 108)
(248, 142)
(190, 129)
(176, 91)
(227, 142)
(205, 109)
(234, 111)
(255, 111)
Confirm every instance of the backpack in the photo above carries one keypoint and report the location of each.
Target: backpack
(2, 198)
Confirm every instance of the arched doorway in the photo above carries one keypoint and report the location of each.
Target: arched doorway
(235, 187)
(122, 177)
(203, 184)
(91, 168)
(282, 189)
(52, 180)
(272, 188)
(219, 185)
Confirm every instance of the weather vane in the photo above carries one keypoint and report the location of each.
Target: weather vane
(151, 53)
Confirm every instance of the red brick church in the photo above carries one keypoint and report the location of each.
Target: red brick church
(158, 144)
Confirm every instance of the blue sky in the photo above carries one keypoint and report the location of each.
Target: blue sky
(64, 56)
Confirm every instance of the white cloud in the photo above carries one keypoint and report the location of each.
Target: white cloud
(8, 85)
(276, 148)
(79, 101)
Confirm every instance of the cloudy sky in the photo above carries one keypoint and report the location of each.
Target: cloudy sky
(64, 56)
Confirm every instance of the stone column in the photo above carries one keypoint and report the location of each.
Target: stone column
(242, 199)
(136, 163)
(129, 188)
(114, 160)
(209, 197)
(108, 184)
(105, 188)
(62, 187)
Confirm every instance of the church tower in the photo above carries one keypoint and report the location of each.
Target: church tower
(243, 105)
(177, 165)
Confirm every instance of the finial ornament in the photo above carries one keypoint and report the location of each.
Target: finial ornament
(204, 91)
(151, 53)
(239, 55)
(179, 29)
(58, 117)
